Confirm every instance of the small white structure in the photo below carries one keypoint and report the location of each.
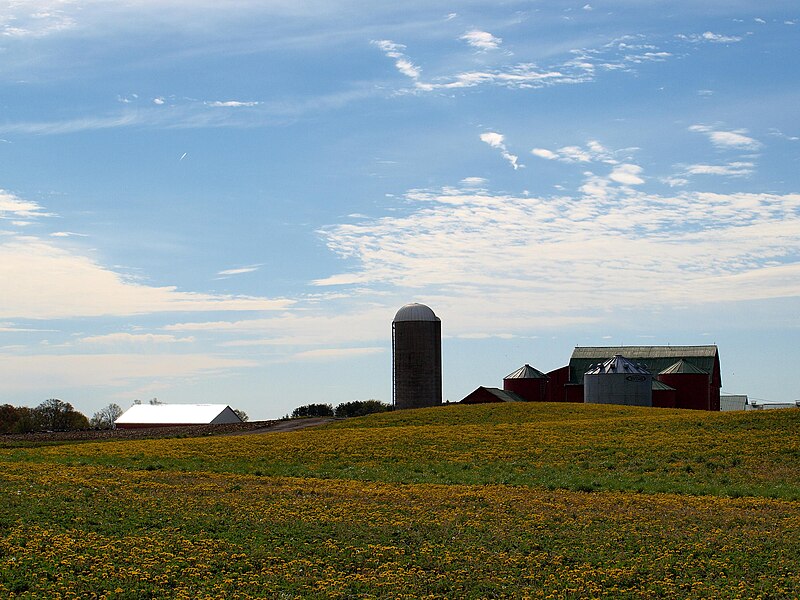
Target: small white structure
(173, 415)
(734, 402)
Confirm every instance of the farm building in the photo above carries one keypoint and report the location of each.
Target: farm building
(527, 382)
(484, 395)
(140, 416)
(734, 402)
(692, 373)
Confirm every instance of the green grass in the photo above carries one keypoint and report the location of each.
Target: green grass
(514, 501)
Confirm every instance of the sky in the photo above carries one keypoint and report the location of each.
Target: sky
(227, 202)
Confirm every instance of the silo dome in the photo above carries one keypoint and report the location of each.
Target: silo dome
(416, 357)
(415, 312)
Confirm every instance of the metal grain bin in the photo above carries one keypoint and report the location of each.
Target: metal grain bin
(416, 357)
(618, 381)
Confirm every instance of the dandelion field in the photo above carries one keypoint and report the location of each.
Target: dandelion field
(528, 500)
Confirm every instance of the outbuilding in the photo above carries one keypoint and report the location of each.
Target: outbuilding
(140, 416)
(487, 395)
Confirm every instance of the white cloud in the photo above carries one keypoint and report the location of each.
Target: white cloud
(627, 174)
(239, 270)
(54, 282)
(518, 263)
(231, 104)
(544, 153)
(727, 139)
(82, 371)
(709, 36)
(159, 101)
(401, 61)
(336, 353)
(483, 40)
(496, 140)
(64, 234)
(733, 169)
(474, 181)
(12, 206)
(117, 339)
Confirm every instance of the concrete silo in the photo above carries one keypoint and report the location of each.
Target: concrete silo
(416, 357)
(618, 381)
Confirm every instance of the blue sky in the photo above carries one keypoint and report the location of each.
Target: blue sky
(228, 202)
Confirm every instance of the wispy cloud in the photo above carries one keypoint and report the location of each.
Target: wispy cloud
(232, 103)
(134, 339)
(497, 140)
(35, 264)
(239, 270)
(534, 260)
(733, 169)
(13, 207)
(401, 61)
(482, 40)
(709, 36)
(736, 139)
(336, 353)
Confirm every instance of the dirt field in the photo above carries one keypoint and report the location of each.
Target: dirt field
(249, 428)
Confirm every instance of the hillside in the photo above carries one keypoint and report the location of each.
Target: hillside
(512, 501)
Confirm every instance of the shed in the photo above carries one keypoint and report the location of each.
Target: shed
(484, 395)
(140, 416)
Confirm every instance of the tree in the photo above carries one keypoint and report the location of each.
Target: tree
(105, 417)
(56, 415)
(359, 408)
(241, 414)
(313, 410)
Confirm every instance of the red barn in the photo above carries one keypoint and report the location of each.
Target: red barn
(692, 390)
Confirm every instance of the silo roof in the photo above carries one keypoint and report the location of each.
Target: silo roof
(617, 364)
(415, 312)
(683, 367)
(178, 414)
(660, 385)
(526, 372)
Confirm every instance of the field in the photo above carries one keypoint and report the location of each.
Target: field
(518, 500)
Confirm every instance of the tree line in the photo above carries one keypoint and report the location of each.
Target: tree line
(54, 415)
(356, 408)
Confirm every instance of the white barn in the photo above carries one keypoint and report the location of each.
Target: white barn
(174, 415)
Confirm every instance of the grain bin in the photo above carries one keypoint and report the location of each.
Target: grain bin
(527, 382)
(618, 381)
(693, 385)
(416, 357)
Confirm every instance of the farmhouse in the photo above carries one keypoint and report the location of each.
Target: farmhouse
(172, 415)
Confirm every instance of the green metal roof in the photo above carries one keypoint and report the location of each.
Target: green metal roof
(654, 358)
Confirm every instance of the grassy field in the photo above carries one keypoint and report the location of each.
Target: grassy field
(518, 500)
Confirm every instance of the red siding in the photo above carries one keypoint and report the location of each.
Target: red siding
(533, 390)
(665, 398)
(555, 387)
(693, 390)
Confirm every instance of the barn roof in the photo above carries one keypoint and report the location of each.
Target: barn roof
(501, 395)
(526, 372)
(177, 414)
(654, 358)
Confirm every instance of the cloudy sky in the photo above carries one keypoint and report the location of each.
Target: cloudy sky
(228, 201)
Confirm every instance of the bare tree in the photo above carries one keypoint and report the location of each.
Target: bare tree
(105, 417)
(241, 414)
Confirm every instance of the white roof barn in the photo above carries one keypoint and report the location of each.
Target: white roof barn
(169, 415)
